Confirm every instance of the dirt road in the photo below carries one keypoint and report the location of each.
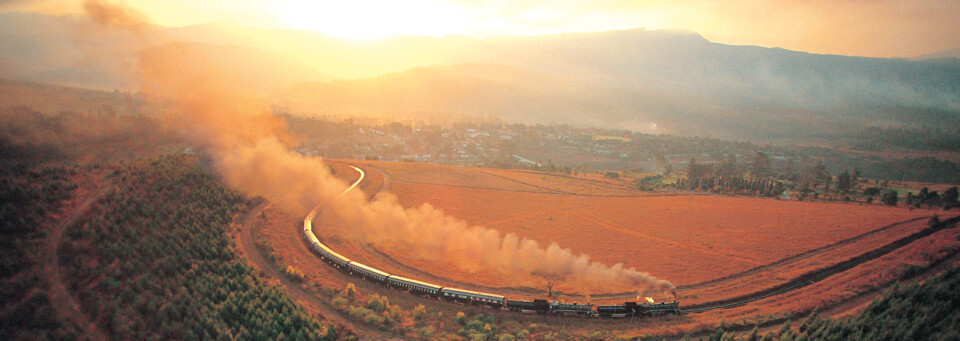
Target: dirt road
(65, 304)
(270, 273)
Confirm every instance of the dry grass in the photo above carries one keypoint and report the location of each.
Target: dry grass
(425, 173)
(685, 239)
(582, 184)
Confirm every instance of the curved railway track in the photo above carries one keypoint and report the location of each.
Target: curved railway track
(797, 283)
(824, 273)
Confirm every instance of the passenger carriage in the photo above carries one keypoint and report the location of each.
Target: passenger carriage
(413, 285)
(467, 296)
(367, 272)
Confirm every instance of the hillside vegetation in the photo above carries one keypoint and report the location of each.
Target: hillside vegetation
(928, 311)
(28, 195)
(151, 261)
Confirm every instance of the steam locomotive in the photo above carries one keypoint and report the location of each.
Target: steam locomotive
(628, 309)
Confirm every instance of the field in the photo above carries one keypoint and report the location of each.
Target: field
(712, 247)
(668, 236)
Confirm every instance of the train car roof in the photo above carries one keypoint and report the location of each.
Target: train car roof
(473, 292)
(404, 279)
(368, 268)
(324, 247)
(338, 256)
(570, 304)
(332, 253)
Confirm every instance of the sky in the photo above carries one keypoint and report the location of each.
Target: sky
(875, 28)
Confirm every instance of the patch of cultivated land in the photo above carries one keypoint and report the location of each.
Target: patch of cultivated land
(424, 173)
(686, 239)
(713, 247)
(782, 271)
(584, 184)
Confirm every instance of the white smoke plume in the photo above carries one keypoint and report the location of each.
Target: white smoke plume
(429, 234)
(248, 148)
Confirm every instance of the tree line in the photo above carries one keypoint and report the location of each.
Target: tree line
(760, 178)
(29, 194)
(152, 261)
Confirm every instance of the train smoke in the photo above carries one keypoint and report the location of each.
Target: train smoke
(429, 234)
(246, 145)
(115, 15)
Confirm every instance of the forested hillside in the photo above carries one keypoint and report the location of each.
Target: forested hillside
(28, 195)
(153, 261)
(149, 260)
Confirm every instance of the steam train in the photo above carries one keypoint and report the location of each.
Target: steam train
(628, 309)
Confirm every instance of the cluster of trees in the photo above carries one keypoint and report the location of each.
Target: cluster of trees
(28, 194)
(480, 327)
(423, 323)
(375, 310)
(947, 200)
(744, 186)
(759, 178)
(105, 136)
(728, 177)
(152, 261)
(928, 311)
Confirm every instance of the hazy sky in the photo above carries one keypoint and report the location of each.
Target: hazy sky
(881, 28)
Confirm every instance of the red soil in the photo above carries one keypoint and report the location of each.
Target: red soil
(672, 237)
(688, 239)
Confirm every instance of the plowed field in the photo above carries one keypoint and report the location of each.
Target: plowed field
(712, 247)
(686, 239)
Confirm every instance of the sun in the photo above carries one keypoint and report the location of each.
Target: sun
(373, 19)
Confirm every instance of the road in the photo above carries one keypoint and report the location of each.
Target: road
(64, 303)
(823, 273)
(313, 212)
(314, 303)
(797, 283)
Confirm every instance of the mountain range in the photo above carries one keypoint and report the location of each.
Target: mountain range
(652, 81)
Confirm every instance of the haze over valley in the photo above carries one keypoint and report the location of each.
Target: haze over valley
(479, 170)
(664, 81)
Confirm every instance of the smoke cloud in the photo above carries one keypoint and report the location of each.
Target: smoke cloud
(429, 234)
(247, 147)
(114, 14)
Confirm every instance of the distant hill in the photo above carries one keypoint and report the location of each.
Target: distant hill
(53, 100)
(518, 95)
(676, 81)
(948, 53)
(473, 90)
(70, 50)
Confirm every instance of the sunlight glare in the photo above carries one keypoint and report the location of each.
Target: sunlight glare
(373, 19)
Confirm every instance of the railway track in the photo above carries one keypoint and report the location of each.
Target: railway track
(797, 283)
(821, 274)
(797, 257)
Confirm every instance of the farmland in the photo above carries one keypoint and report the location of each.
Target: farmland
(455, 170)
(712, 247)
(666, 235)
